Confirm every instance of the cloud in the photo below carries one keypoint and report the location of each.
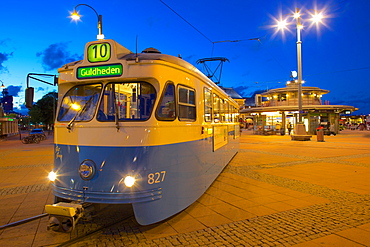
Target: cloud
(14, 90)
(57, 55)
(246, 91)
(23, 109)
(4, 57)
(40, 89)
(243, 91)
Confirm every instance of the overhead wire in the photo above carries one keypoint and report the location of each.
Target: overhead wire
(186, 21)
(257, 39)
(221, 41)
(201, 33)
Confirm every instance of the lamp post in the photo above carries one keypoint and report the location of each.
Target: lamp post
(76, 16)
(2, 84)
(300, 129)
(297, 16)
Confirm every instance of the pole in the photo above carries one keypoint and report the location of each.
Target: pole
(100, 25)
(300, 133)
(299, 60)
(100, 20)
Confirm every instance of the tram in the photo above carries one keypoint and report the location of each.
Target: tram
(146, 129)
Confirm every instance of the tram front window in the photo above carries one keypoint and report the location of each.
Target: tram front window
(79, 103)
(127, 101)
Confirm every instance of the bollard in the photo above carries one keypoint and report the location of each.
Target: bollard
(320, 135)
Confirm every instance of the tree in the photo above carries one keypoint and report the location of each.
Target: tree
(44, 110)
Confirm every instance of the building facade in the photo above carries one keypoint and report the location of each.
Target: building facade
(277, 109)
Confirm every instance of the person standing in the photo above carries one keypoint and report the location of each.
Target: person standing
(290, 127)
(332, 129)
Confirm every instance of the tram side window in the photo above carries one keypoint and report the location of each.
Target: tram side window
(216, 108)
(79, 103)
(207, 105)
(187, 108)
(167, 108)
(234, 111)
(236, 114)
(129, 101)
(222, 110)
(227, 111)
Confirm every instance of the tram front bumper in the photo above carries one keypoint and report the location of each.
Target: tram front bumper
(107, 197)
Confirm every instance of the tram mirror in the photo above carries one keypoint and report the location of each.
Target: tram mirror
(29, 97)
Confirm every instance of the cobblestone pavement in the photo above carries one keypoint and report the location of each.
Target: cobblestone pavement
(275, 192)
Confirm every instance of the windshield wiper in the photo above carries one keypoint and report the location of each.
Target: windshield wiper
(70, 124)
(116, 117)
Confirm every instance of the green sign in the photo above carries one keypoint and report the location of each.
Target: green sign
(100, 52)
(99, 71)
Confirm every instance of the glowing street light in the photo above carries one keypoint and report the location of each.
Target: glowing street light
(316, 18)
(2, 84)
(75, 15)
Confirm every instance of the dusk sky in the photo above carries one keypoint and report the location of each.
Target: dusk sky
(38, 37)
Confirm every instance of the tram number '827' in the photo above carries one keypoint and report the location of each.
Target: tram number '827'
(156, 177)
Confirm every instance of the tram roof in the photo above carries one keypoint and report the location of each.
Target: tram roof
(150, 54)
(159, 56)
(150, 57)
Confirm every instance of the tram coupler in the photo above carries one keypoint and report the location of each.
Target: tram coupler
(63, 216)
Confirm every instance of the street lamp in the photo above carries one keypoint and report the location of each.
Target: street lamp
(76, 16)
(2, 84)
(315, 18)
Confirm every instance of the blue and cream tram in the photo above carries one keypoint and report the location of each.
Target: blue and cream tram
(142, 128)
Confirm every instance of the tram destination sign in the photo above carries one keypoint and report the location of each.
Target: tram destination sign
(109, 70)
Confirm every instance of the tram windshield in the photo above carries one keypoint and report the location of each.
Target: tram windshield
(79, 103)
(128, 101)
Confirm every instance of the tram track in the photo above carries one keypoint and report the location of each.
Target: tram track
(91, 233)
(103, 219)
(97, 222)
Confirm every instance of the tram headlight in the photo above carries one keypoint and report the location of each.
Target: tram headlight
(129, 181)
(52, 176)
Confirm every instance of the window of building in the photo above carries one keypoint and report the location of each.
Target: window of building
(282, 97)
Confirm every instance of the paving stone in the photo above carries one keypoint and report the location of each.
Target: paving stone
(318, 210)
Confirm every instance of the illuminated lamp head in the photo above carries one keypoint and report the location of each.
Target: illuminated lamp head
(282, 24)
(317, 17)
(75, 16)
(52, 176)
(129, 181)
